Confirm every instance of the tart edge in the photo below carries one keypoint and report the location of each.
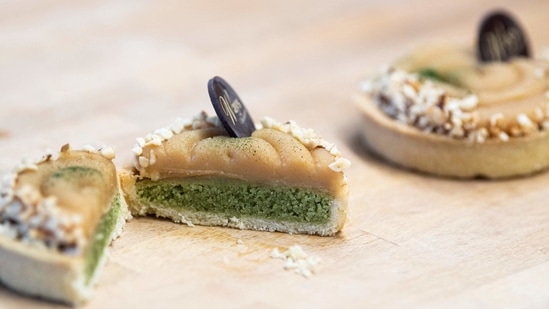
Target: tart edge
(446, 156)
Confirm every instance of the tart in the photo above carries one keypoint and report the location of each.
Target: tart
(281, 178)
(440, 111)
(57, 217)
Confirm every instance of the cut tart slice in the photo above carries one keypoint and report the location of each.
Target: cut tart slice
(281, 178)
(439, 110)
(57, 217)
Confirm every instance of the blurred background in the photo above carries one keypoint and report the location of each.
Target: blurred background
(95, 72)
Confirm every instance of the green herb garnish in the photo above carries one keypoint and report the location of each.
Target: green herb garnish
(429, 73)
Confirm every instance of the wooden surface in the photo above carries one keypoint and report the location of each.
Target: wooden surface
(94, 72)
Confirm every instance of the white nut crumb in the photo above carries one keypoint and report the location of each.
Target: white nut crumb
(178, 126)
(469, 102)
(339, 165)
(457, 132)
(495, 119)
(152, 157)
(503, 136)
(140, 141)
(143, 162)
(153, 139)
(108, 152)
(164, 133)
(268, 122)
(89, 148)
(26, 165)
(275, 254)
(525, 123)
(213, 120)
(137, 150)
(297, 260)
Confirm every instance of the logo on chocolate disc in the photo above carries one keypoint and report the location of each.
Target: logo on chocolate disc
(500, 38)
(229, 108)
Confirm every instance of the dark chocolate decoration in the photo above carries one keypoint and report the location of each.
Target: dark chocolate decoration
(229, 108)
(500, 38)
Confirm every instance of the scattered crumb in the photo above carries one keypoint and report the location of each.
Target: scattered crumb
(540, 72)
(4, 134)
(297, 260)
(239, 241)
(545, 53)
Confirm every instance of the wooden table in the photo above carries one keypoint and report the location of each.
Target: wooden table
(94, 72)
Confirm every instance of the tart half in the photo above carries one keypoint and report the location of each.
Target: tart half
(282, 178)
(439, 111)
(57, 217)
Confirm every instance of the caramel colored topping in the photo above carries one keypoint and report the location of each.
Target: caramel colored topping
(275, 151)
(443, 90)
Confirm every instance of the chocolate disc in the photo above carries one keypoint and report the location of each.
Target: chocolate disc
(500, 38)
(229, 108)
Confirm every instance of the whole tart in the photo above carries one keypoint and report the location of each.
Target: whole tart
(57, 217)
(440, 111)
(281, 178)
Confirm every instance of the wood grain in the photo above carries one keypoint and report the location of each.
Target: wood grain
(94, 72)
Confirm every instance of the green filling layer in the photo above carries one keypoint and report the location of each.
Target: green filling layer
(232, 198)
(76, 172)
(102, 238)
(430, 73)
(75, 177)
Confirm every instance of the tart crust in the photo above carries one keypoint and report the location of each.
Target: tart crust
(446, 156)
(30, 263)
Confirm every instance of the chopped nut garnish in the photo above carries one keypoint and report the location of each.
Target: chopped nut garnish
(340, 164)
(503, 136)
(428, 107)
(107, 152)
(525, 123)
(34, 219)
(202, 121)
(26, 165)
(540, 73)
(143, 162)
(89, 148)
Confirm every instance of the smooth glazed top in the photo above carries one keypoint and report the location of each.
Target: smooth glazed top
(275, 152)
